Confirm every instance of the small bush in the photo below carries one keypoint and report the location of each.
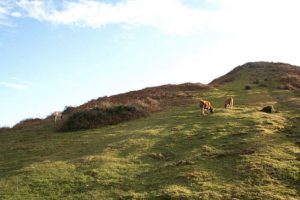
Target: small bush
(256, 82)
(268, 109)
(99, 117)
(248, 87)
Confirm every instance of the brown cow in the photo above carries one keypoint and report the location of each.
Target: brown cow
(205, 106)
(229, 103)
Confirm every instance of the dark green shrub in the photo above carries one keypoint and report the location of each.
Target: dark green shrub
(98, 117)
(268, 109)
(256, 82)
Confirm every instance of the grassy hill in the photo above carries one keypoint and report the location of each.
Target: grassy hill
(173, 154)
(262, 74)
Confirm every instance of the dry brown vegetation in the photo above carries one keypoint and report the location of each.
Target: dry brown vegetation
(28, 123)
(150, 99)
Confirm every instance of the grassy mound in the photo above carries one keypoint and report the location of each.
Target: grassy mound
(98, 117)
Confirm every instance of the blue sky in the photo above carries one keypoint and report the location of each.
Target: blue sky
(58, 53)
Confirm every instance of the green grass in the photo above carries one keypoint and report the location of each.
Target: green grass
(176, 154)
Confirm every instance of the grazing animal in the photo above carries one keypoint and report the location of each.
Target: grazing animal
(57, 116)
(229, 103)
(205, 106)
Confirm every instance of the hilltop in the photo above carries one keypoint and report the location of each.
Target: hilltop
(275, 75)
(174, 153)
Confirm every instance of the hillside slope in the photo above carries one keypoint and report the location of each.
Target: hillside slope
(175, 154)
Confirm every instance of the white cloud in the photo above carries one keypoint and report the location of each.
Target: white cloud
(245, 31)
(3, 11)
(7, 11)
(25, 82)
(16, 14)
(16, 86)
(124, 37)
(3, 18)
(256, 16)
(206, 64)
(168, 16)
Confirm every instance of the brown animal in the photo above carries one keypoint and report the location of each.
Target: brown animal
(229, 103)
(205, 106)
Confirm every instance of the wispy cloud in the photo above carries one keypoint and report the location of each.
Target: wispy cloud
(168, 16)
(25, 82)
(174, 17)
(3, 15)
(124, 37)
(8, 9)
(16, 86)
